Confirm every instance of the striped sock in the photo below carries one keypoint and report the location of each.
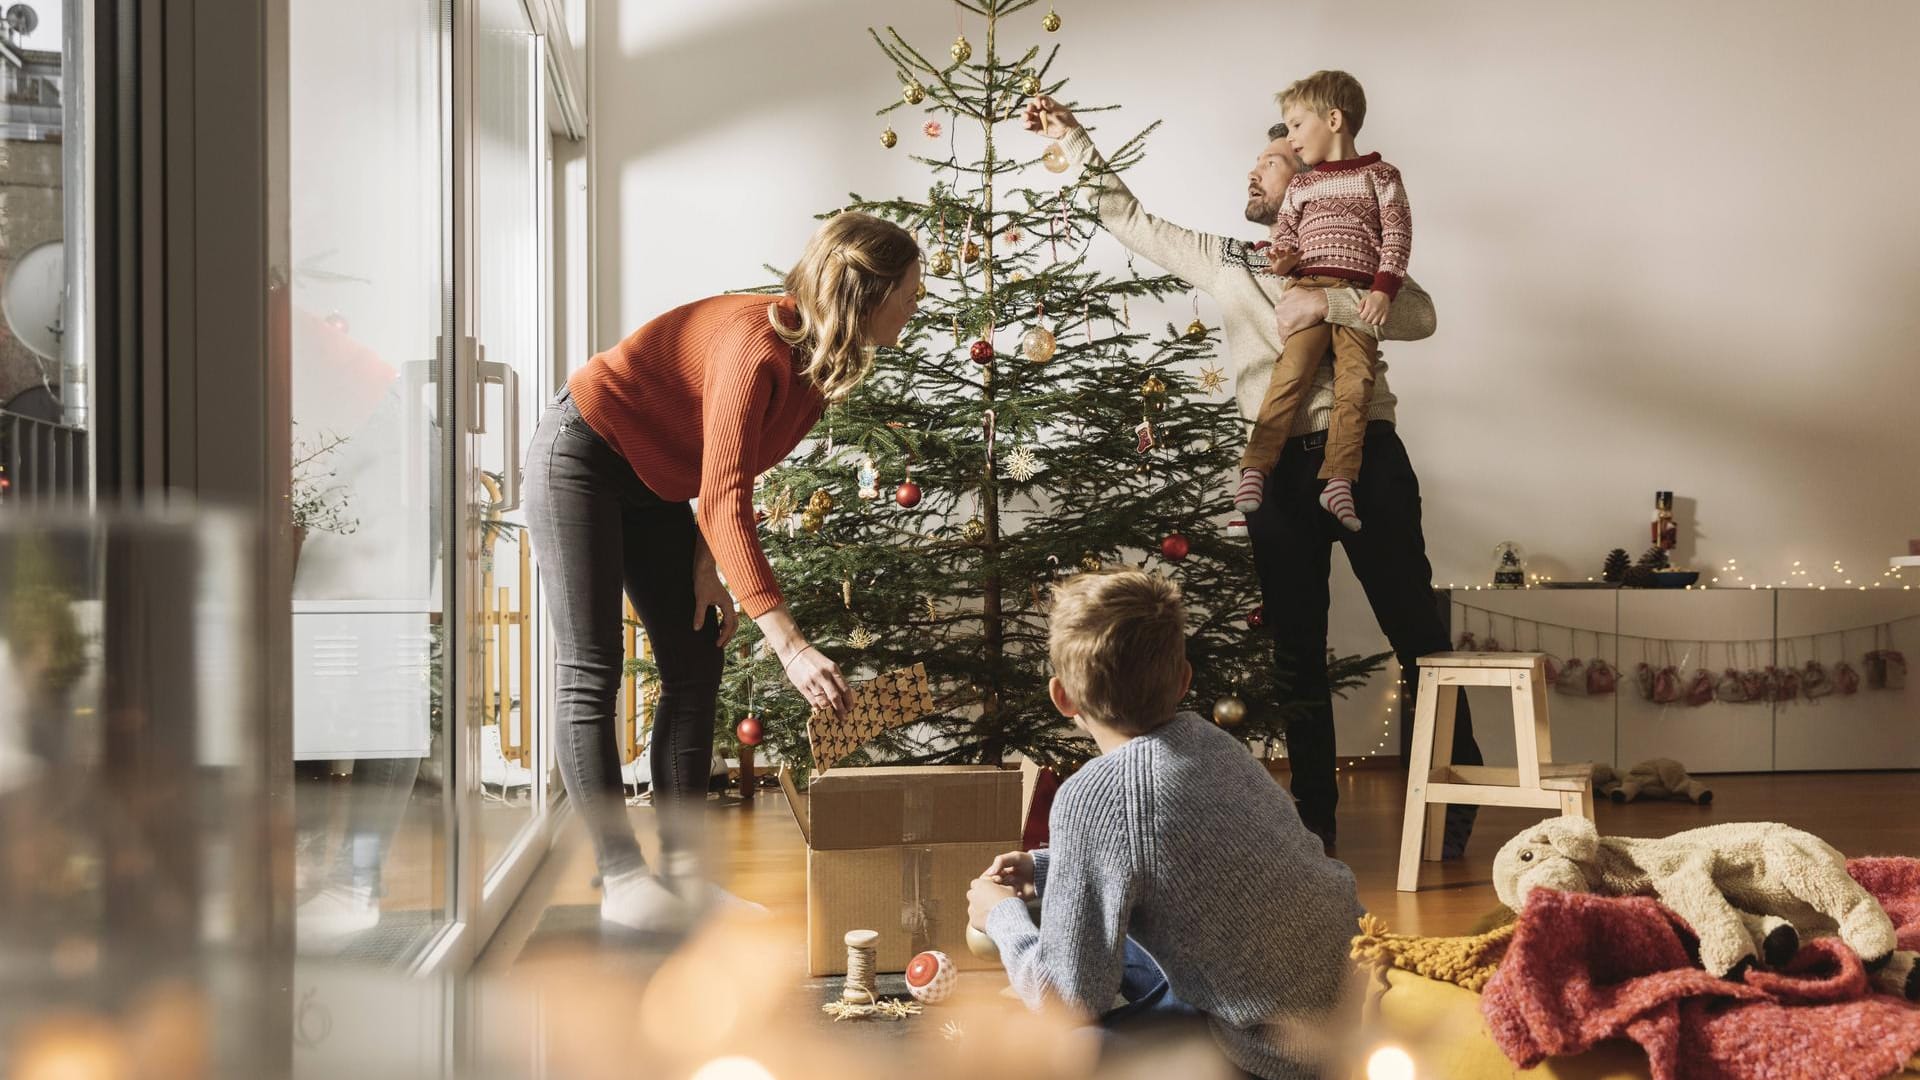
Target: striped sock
(1251, 492)
(1337, 499)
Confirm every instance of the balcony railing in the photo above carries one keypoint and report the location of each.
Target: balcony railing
(41, 462)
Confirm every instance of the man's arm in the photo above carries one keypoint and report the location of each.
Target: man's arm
(1409, 319)
(1184, 253)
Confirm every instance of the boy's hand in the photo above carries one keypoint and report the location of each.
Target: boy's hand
(982, 897)
(1282, 260)
(1049, 117)
(1015, 871)
(1373, 310)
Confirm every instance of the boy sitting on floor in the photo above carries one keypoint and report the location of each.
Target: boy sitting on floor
(1179, 876)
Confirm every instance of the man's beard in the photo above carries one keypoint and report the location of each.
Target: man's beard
(1262, 212)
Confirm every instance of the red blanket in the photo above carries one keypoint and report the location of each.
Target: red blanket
(1585, 968)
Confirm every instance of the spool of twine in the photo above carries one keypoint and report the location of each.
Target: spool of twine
(862, 954)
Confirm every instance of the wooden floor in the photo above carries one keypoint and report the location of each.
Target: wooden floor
(761, 856)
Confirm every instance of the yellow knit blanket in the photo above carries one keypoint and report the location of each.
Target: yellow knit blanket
(1463, 961)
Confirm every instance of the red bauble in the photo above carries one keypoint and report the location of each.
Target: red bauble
(907, 495)
(1257, 618)
(982, 351)
(1175, 547)
(748, 730)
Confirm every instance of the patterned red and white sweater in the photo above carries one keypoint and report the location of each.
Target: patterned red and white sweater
(1349, 219)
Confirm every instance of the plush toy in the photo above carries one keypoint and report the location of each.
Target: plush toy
(1748, 889)
(1661, 778)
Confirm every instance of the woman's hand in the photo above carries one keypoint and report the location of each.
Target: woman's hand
(708, 594)
(809, 670)
(1049, 117)
(818, 679)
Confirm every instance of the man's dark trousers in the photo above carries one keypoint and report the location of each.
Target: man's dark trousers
(1293, 542)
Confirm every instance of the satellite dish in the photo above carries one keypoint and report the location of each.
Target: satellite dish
(22, 19)
(33, 297)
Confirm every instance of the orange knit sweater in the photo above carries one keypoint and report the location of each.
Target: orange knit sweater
(700, 401)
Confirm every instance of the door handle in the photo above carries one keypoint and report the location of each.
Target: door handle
(486, 372)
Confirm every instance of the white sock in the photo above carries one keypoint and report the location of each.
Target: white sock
(638, 901)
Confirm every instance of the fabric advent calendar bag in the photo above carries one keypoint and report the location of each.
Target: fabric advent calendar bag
(1700, 688)
(1731, 688)
(1666, 686)
(1845, 679)
(1814, 682)
(1601, 677)
(1572, 678)
(1886, 670)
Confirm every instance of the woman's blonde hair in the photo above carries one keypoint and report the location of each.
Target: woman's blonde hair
(849, 267)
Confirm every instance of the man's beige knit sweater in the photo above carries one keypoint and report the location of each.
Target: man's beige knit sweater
(1233, 272)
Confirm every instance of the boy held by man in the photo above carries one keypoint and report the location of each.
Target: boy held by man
(1344, 219)
(1178, 877)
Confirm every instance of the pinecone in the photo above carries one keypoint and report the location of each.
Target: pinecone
(1616, 567)
(1638, 577)
(1654, 559)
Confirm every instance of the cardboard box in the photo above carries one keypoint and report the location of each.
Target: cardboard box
(893, 850)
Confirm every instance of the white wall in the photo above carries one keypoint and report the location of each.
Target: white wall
(1672, 245)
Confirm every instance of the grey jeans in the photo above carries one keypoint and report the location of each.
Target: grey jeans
(598, 531)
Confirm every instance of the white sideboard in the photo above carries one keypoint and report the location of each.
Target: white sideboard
(1716, 629)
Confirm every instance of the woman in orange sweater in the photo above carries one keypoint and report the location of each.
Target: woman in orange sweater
(695, 404)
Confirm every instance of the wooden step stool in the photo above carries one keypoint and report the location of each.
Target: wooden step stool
(1435, 781)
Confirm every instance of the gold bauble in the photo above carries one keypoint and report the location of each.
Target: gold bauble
(920, 291)
(1153, 387)
(975, 531)
(888, 138)
(1054, 157)
(820, 503)
(962, 52)
(1051, 22)
(1229, 711)
(982, 946)
(812, 522)
(942, 263)
(913, 93)
(1038, 344)
(1090, 563)
(970, 254)
(1030, 84)
(1196, 329)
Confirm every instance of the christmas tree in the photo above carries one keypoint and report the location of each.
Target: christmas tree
(1024, 429)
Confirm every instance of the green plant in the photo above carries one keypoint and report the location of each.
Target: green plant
(319, 500)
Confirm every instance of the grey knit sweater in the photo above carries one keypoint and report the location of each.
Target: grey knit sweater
(1180, 840)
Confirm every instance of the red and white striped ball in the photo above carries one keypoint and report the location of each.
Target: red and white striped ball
(930, 977)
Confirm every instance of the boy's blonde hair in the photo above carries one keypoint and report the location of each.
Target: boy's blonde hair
(852, 263)
(1324, 91)
(1118, 641)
